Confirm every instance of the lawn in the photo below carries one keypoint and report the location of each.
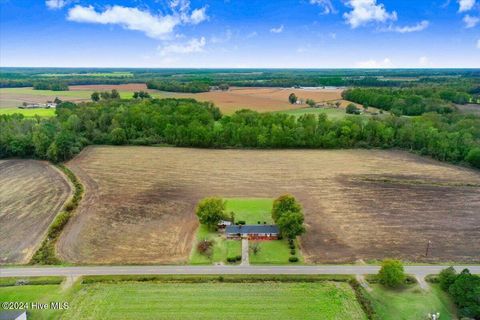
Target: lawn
(410, 303)
(29, 112)
(222, 247)
(273, 252)
(251, 210)
(331, 113)
(35, 293)
(202, 301)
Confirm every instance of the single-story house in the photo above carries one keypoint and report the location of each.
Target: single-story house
(253, 232)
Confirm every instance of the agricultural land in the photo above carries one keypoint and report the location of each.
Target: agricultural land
(31, 194)
(358, 204)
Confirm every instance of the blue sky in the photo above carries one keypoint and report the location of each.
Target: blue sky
(231, 33)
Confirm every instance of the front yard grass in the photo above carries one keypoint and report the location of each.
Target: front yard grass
(222, 248)
(274, 252)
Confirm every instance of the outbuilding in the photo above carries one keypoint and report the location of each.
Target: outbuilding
(253, 232)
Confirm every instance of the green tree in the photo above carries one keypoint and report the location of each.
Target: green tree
(95, 96)
(291, 224)
(447, 277)
(311, 103)
(352, 109)
(391, 273)
(118, 136)
(292, 98)
(465, 292)
(473, 157)
(210, 211)
(115, 94)
(285, 203)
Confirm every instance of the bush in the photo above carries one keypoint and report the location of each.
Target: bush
(238, 258)
(391, 274)
(293, 259)
(241, 222)
(292, 252)
(205, 247)
(231, 259)
(291, 246)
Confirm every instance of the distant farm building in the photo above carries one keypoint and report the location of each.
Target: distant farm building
(253, 232)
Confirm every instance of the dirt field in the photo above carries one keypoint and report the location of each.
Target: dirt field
(359, 204)
(31, 194)
(260, 99)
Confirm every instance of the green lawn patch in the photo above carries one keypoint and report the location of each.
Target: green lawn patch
(134, 300)
(35, 293)
(222, 248)
(251, 210)
(410, 302)
(29, 113)
(273, 252)
(331, 113)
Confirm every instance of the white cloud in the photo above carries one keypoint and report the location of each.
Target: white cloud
(366, 11)
(194, 45)
(374, 64)
(424, 62)
(277, 30)
(471, 22)
(478, 44)
(198, 15)
(326, 5)
(252, 34)
(465, 5)
(56, 4)
(131, 18)
(415, 28)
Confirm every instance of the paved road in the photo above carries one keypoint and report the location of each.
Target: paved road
(419, 271)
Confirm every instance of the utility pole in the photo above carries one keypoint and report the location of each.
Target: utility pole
(428, 248)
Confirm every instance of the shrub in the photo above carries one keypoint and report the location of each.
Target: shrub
(293, 259)
(291, 246)
(241, 222)
(205, 247)
(292, 252)
(231, 259)
(391, 274)
(238, 258)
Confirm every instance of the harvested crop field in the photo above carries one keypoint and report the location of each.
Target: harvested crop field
(31, 194)
(260, 99)
(359, 204)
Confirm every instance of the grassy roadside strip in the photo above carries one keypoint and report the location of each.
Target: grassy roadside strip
(20, 281)
(231, 278)
(46, 253)
(363, 299)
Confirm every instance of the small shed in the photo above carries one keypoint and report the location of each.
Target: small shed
(253, 232)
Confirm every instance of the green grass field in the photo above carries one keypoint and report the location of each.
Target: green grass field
(29, 112)
(35, 293)
(331, 113)
(114, 74)
(202, 301)
(410, 303)
(251, 210)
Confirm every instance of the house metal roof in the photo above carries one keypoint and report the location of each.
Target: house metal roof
(252, 229)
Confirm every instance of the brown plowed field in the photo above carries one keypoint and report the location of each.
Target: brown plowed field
(359, 204)
(31, 194)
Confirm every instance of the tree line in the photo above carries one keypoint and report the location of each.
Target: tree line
(176, 86)
(451, 137)
(409, 101)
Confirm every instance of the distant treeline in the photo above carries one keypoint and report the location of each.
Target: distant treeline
(410, 101)
(51, 85)
(188, 123)
(175, 86)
